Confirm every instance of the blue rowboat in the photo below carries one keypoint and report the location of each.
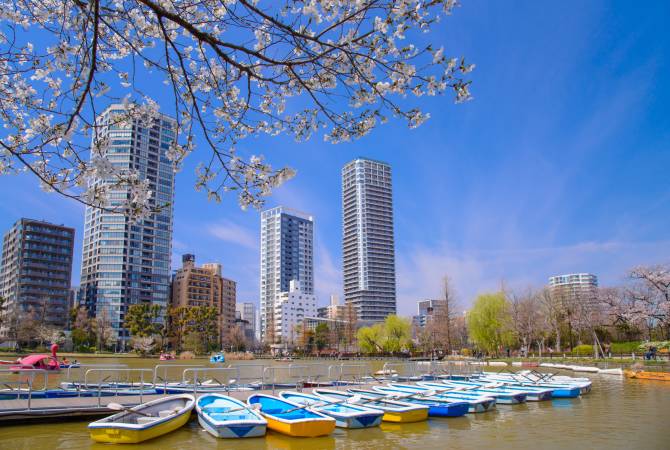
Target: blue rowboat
(502, 397)
(476, 404)
(437, 407)
(559, 390)
(227, 417)
(345, 415)
(291, 418)
(533, 394)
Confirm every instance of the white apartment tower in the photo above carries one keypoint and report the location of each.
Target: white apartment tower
(125, 262)
(287, 254)
(368, 250)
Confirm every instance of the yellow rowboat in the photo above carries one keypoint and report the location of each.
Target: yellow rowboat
(644, 375)
(144, 422)
(394, 411)
(291, 418)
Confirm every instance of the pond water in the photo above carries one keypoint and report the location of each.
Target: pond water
(618, 414)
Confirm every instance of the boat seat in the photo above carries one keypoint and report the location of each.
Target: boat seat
(168, 412)
(144, 420)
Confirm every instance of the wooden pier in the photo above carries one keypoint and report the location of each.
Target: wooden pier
(73, 408)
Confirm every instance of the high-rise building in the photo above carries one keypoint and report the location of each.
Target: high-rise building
(368, 250)
(247, 311)
(36, 271)
(291, 308)
(287, 254)
(579, 287)
(205, 286)
(124, 261)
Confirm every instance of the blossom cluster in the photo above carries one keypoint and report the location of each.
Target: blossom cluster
(236, 68)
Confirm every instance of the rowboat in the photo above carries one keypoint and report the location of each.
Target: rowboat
(590, 369)
(143, 422)
(558, 390)
(291, 418)
(533, 394)
(543, 380)
(227, 417)
(394, 411)
(476, 404)
(616, 371)
(345, 415)
(502, 396)
(646, 375)
(438, 406)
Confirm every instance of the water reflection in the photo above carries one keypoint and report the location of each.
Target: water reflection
(279, 441)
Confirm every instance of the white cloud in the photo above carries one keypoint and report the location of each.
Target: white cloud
(233, 233)
(420, 270)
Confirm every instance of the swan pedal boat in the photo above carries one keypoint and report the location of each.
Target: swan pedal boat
(133, 426)
(474, 391)
(227, 417)
(438, 406)
(346, 415)
(394, 411)
(290, 418)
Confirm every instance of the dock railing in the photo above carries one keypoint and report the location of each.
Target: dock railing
(24, 377)
(343, 374)
(250, 375)
(162, 375)
(223, 376)
(117, 376)
(399, 370)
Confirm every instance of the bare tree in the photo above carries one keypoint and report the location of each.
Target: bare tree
(235, 69)
(651, 292)
(441, 323)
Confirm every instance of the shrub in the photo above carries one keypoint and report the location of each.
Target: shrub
(186, 355)
(466, 352)
(583, 350)
(625, 347)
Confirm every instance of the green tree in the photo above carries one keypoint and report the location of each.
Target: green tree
(179, 325)
(204, 320)
(321, 335)
(490, 322)
(142, 319)
(370, 339)
(397, 333)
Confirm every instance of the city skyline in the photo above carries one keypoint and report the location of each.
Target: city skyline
(499, 188)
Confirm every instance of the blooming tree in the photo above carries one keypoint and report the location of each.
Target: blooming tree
(235, 69)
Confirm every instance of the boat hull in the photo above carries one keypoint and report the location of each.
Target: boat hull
(414, 415)
(232, 431)
(363, 421)
(112, 435)
(642, 375)
(313, 428)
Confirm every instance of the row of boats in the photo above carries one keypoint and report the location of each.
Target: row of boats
(303, 414)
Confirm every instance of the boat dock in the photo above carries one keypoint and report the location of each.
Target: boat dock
(92, 387)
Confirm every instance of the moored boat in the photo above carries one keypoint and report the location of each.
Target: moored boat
(647, 375)
(227, 417)
(468, 389)
(144, 422)
(394, 411)
(345, 415)
(438, 406)
(533, 394)
(291, 418)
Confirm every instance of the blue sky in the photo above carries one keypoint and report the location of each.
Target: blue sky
(559, 164)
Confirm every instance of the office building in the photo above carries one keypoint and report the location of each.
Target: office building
(36, 270)
(428, 310)
(127, 261)
(205, 286)
(287, 255)
(368, 243)
(246, 311)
